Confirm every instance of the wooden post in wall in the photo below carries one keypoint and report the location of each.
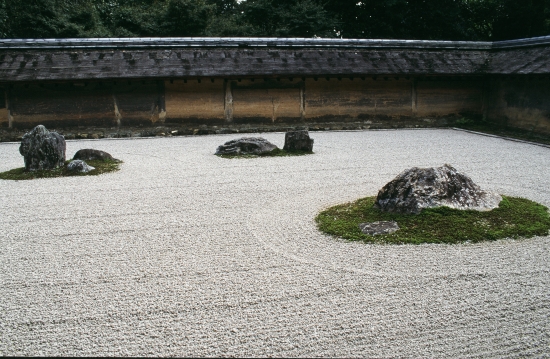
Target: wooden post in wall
(303, 101)
(414, 97)
(117, 112)
(484, 96)
(8, 109)
(161, 102)
(228, 103)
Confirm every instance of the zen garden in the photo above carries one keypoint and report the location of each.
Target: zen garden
(421, 205)
(261, 178)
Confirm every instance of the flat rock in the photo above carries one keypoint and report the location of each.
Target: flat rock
(246, 146)
(298, 141)
(79, 166)
(380, 227)
(89, 154)
(418, 188)
(42, 149)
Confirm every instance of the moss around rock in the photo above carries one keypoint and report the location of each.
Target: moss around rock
(100, 167)
(514, 218)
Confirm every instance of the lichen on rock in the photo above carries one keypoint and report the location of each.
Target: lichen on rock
(418, 188)
(42, 149)
(298, 141)
(379, 227)
(246, 146)
(89, 154)
(79, 166)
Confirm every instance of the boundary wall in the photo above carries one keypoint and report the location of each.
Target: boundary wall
(225, 82)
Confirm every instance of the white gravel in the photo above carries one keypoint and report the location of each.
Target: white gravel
(182, 253)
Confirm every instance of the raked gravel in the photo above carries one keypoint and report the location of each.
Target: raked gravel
(182, 253)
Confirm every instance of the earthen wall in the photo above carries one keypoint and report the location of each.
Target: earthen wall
(238, 101)
(519, 102)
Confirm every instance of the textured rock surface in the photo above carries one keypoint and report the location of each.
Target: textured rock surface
(42, 149)
(246, 146)
(381, 227)
(79, 166)
(298, 141)
(89, 154)
(419, 188)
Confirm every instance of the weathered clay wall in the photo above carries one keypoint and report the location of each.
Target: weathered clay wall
(392, 100)
(438, 97)
(348, 99)
(84, 104)
(138, 102)
(63, 104)
(267, 101)
(191, 101)
(521, 103)
(4, 112)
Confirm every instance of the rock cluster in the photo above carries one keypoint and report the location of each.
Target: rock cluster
(246, 146)
(419, 188)
(89, 154)
(79, 166)
(42, 149)
(298, 141)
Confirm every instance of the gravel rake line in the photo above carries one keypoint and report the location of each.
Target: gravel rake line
(194, 255)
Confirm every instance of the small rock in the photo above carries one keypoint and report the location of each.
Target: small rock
(246, 146)
(42, 149)
(380, 227)
(418, 188)
(298, 141)
(79, 166)
(89, 154)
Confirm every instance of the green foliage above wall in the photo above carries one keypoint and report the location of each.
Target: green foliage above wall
(386, 19)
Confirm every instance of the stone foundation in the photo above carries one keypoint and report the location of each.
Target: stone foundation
(169, 130)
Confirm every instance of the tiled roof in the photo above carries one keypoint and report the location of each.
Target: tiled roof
(232, 42)
(70, 59)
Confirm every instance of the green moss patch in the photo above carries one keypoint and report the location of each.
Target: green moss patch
(275, 153)
(21, 174)
(514, 218)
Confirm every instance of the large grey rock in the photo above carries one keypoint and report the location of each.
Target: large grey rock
(419, 188)
(298, 141)
(380, 227)
(79, 166)
(89, 154)
(246, 146)
(42, 149)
